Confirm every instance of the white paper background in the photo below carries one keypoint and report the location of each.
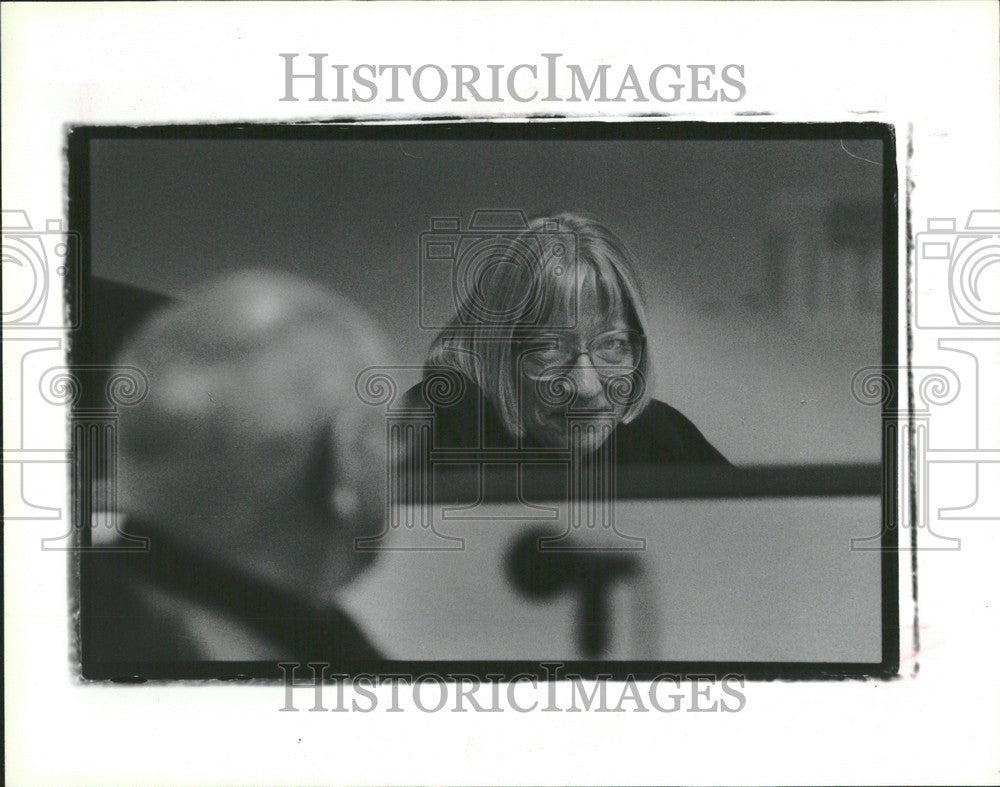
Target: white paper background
(929, 66)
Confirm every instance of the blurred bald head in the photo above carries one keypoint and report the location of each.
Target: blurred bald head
(252, 444)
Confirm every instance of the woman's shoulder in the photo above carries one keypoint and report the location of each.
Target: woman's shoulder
(446, 390)
(662, 434)
(462, 415)
(658, 411)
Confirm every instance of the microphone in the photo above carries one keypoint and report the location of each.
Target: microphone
(540, 573)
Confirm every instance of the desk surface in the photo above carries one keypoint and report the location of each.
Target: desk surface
(770, 579)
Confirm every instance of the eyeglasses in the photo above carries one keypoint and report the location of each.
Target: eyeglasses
(613, 353)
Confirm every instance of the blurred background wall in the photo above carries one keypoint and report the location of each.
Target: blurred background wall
(761, 259)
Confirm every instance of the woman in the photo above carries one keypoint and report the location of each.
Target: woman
(549, 350)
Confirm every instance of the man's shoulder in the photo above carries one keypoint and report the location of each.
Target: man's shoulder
(121, 622)
(135, 613)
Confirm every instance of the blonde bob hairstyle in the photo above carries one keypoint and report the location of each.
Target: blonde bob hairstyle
(528, 284)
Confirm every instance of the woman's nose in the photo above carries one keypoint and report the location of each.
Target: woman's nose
(589, 389)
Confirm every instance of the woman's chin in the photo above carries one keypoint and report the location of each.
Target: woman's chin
(586, 438)
(590, 441)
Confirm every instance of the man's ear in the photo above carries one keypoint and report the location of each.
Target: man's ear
(319, 477)
(325, 487)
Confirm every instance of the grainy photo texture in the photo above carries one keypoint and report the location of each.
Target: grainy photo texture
(475, 398)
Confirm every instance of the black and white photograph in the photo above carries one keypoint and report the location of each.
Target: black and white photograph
(479, 396)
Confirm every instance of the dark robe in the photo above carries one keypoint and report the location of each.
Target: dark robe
(120, 627)
(660, 435)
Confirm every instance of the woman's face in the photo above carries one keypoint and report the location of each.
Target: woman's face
(566, 373)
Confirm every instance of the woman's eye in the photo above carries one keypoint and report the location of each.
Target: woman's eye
(550, 354)
(612, 343)
(554, 345)
(545, 351)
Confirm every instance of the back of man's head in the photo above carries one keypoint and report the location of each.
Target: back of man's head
(252, 446)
